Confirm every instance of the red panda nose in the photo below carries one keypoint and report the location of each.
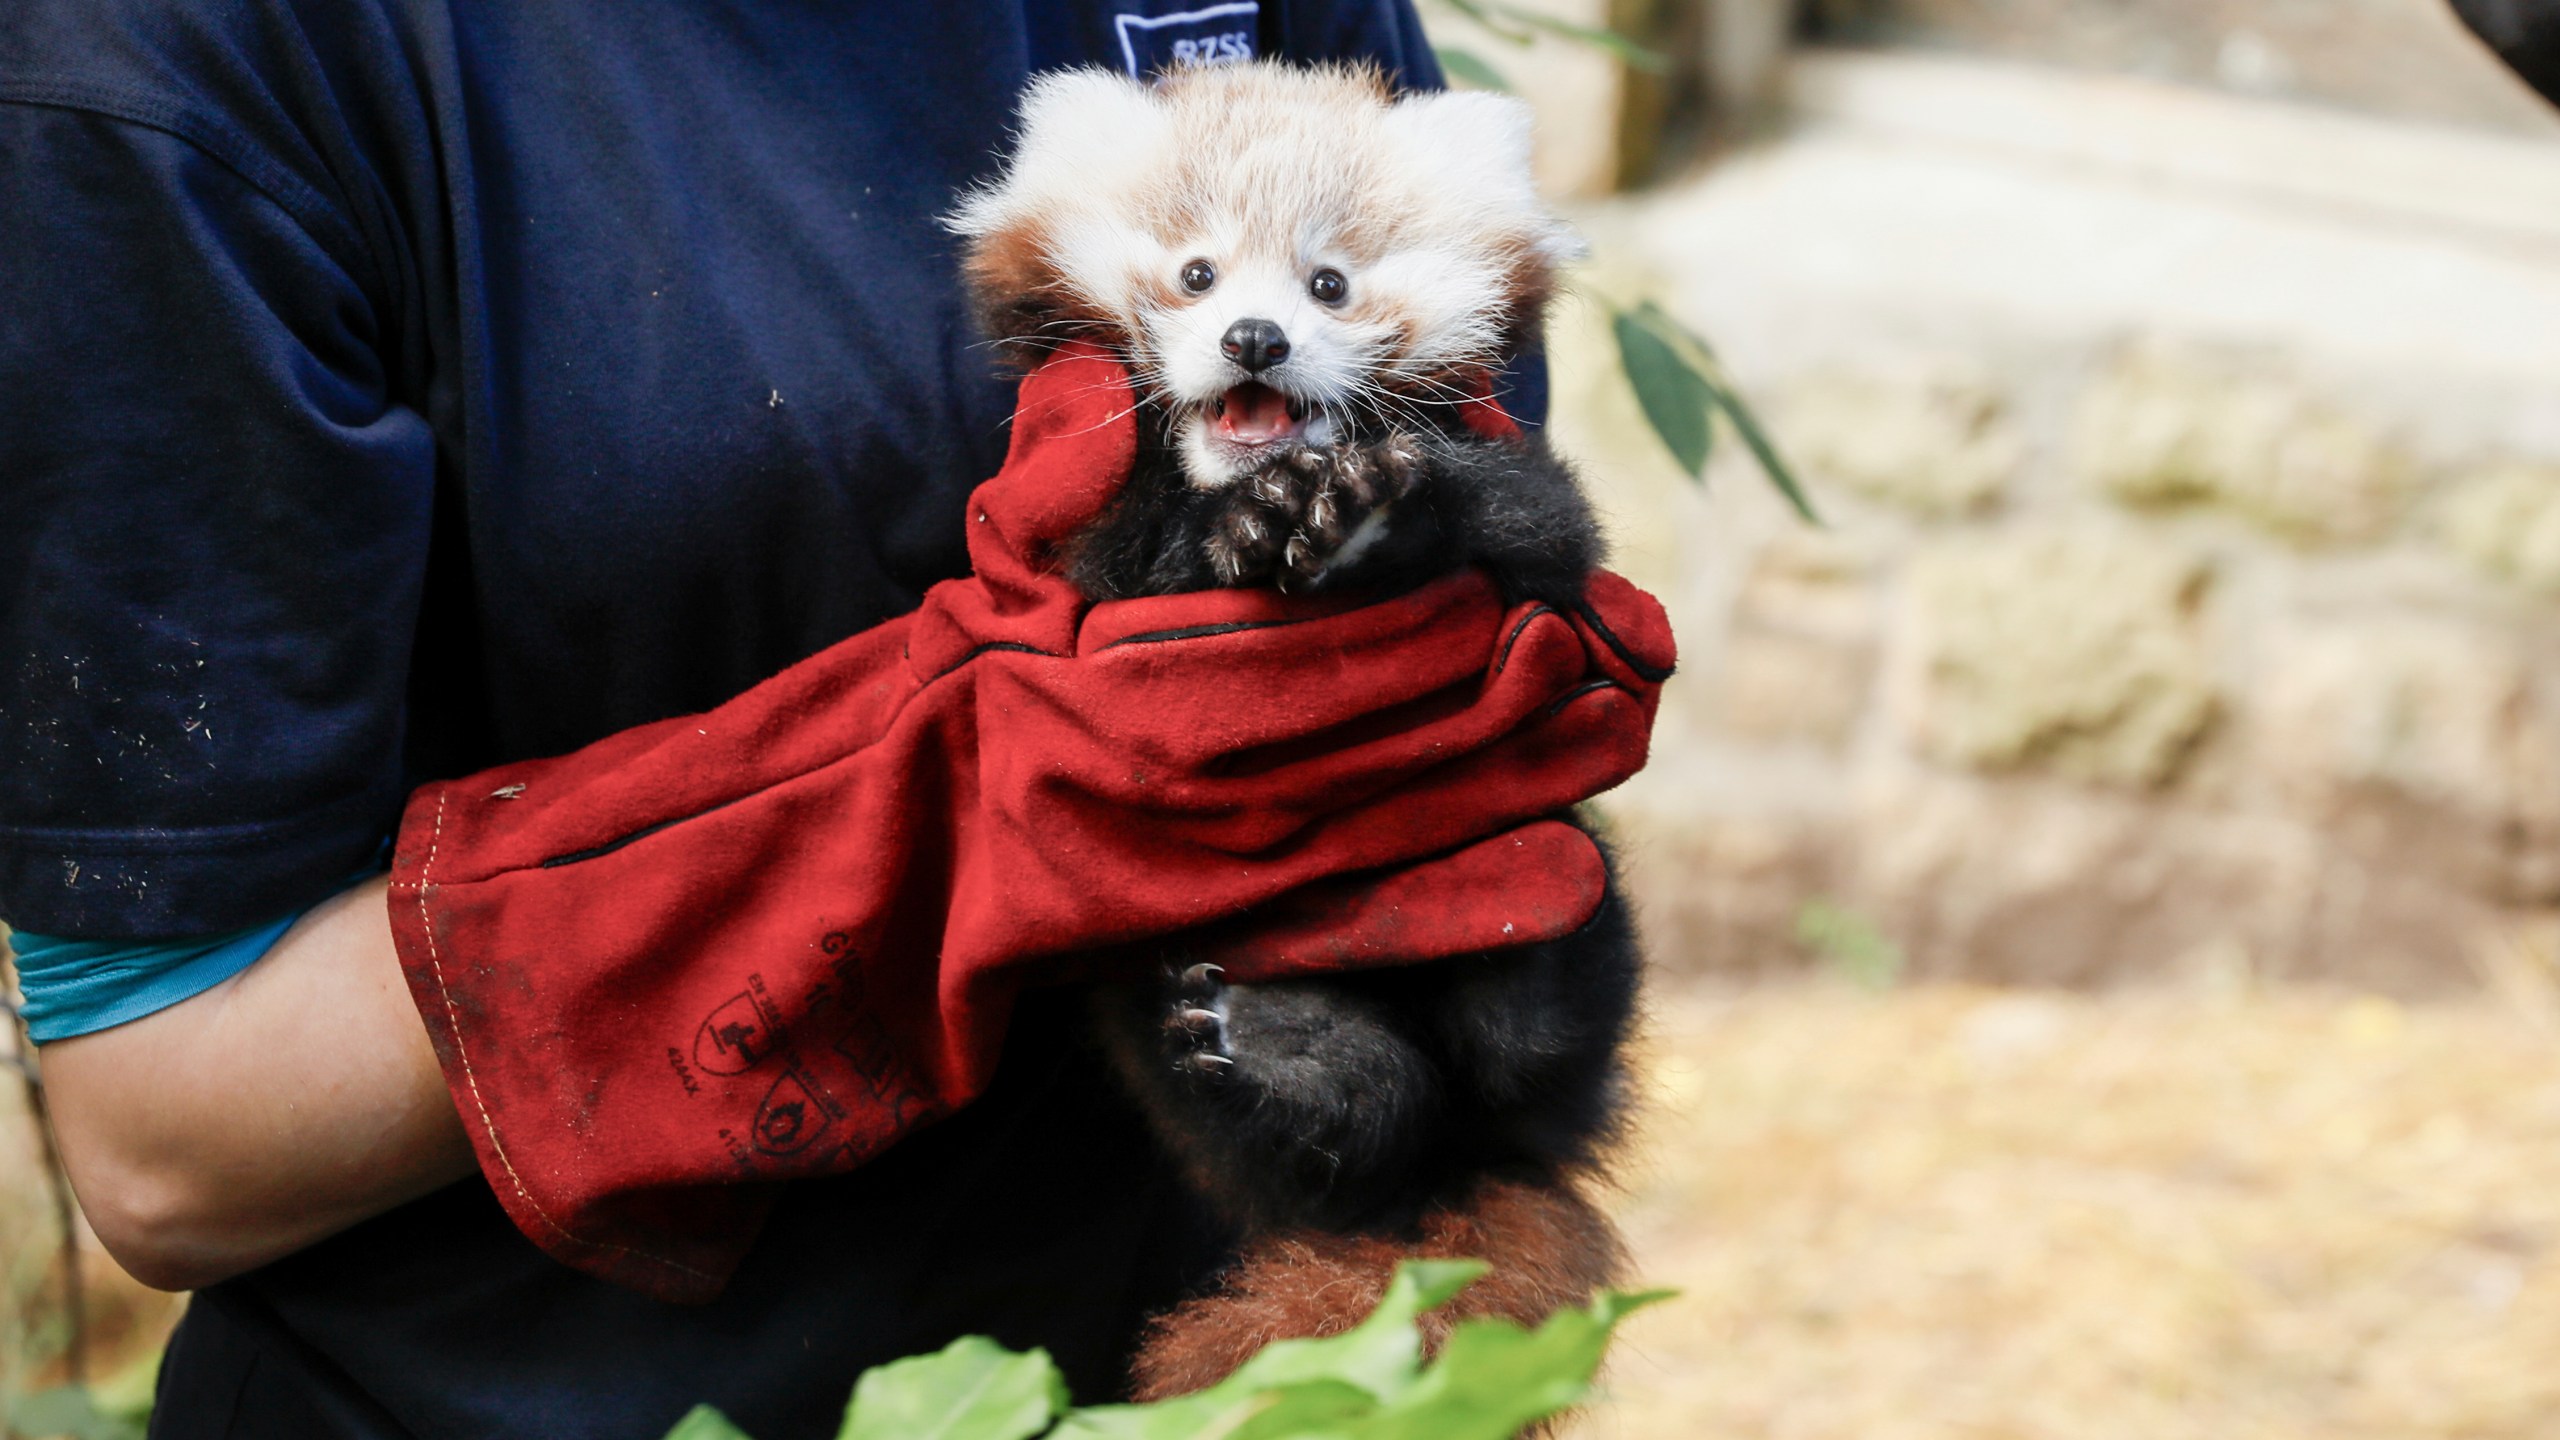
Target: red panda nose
(1257, 345)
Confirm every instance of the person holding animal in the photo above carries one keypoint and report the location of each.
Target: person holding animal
(538, 450)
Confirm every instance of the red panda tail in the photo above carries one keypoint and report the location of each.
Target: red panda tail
(1549, 1246)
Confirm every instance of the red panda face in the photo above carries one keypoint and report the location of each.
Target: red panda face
(1277, 252)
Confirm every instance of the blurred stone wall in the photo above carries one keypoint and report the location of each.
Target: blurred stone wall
(2191, 596)
(2409, 58)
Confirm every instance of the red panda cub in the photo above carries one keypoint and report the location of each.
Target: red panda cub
(1308, 275)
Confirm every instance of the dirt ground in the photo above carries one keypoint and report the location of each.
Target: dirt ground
(1951, 1211)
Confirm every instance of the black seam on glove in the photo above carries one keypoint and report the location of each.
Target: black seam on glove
(1195, 632)
(1650, 674)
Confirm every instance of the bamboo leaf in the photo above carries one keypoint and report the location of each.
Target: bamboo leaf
(1747, 425)
(1675, 397)
(1722, 395)
(1494, 23)
(1469, 67)
(1625, 47)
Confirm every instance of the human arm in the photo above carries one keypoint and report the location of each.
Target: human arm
(216, 526)
(281, 1106)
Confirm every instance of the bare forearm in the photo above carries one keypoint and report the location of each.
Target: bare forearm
(279, 1107)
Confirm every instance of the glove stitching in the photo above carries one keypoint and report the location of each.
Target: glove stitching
(488, 1124)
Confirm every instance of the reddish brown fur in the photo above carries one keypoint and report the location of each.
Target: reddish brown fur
(1549, 1246)
(1021, 296)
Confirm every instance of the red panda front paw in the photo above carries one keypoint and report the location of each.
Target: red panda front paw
(1286, 523)
(1195, 1025)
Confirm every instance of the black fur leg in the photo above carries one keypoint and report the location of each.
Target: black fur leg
(1356, 1101)
(1533, 1037)
(1294, 1103)
(1516, 510)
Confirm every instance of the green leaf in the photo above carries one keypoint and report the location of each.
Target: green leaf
(1494, 1378)
(1185, 1417)
(1674, 395)
(972, 1389)
(1494, 23)
(704, 1423)
(1380, 1357)
(1368, 1383)
(1318, 1407)
(1747, 425)
(1520, 26)
(1381, 1354)
(1467, 66)
(1655, 322)
(1625, 47)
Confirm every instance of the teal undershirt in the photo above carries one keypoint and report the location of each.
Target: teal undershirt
(74, 987)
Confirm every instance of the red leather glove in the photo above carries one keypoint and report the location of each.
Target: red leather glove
(765, 941)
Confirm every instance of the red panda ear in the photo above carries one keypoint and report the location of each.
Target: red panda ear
(1013, 287)
(1087, 140)
(1474, 149)
(1467, 133)
(1085, 118)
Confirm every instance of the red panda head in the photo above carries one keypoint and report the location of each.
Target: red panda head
(1275, 250)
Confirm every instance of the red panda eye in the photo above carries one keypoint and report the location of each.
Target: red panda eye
(1328, 286)
(1198, 276)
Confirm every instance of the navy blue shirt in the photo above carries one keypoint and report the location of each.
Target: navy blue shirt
(390, 388)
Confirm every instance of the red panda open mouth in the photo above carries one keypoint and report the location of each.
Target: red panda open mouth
(1255, 414)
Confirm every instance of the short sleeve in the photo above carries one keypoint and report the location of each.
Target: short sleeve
(213, 532)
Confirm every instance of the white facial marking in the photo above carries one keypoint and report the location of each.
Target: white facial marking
(1268, 173)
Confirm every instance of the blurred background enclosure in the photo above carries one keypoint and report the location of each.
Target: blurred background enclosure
(2181, 379)
(2104, 885)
